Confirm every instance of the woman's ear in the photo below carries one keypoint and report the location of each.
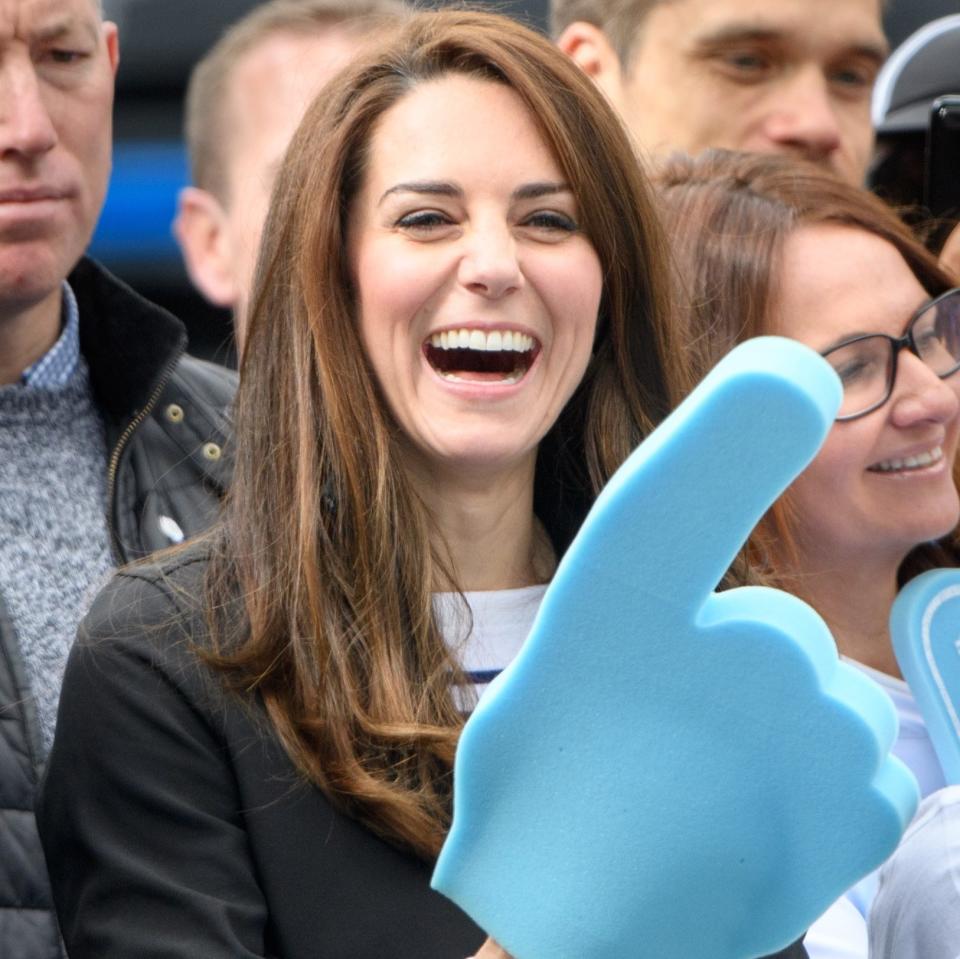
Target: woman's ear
(205, 242)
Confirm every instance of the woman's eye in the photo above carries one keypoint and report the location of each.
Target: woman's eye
(423, 221)
(551, 221)
(855, 370)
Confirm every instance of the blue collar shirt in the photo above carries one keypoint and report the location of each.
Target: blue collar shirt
(56, 368)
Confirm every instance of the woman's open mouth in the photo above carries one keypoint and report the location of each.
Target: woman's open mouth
(478, 356)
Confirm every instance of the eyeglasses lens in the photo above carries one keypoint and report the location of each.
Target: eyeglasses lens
(864, 368)
(936, 333)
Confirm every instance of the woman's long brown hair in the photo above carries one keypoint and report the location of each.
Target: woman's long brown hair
(728, 216)
(324, 546)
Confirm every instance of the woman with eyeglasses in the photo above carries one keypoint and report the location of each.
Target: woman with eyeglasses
(768, 245)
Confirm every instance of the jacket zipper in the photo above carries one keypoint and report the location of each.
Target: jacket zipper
(118, 448)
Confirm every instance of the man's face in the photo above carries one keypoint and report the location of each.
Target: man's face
(270, 91)
(769, 76)
(57, 64)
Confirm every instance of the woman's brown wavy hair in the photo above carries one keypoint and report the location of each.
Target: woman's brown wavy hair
(332, 554)
(728, 216)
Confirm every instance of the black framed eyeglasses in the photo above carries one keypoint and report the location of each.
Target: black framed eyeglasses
(867, 365)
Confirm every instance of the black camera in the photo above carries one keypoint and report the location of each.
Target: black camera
(941, 193)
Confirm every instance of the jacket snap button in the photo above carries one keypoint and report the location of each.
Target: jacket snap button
(211, 451)
(174, 413)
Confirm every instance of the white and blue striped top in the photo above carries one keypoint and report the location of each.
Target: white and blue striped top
(501, 620)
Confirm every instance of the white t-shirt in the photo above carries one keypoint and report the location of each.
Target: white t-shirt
(840, 933)
(916, 912)
(501, 620)
(913, 744)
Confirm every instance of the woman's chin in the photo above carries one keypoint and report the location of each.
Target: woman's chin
(475, 455)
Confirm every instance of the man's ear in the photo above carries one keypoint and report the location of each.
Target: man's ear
(591, 50)
(112, 44)
(201, 230)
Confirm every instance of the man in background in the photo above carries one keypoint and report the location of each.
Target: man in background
(111, 439)
(245, 100)
(767, 76)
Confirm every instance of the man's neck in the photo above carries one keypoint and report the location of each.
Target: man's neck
(27, 334)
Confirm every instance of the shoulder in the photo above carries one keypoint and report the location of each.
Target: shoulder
(916, 912)
(138, 671)
(931, 845)
(194, 414)
(208, 383)
(153, 610)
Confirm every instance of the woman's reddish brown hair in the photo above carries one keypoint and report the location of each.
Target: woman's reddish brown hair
(728, 215)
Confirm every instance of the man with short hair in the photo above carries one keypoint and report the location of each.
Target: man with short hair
(245, 100)
(769, 76)
(111, 440)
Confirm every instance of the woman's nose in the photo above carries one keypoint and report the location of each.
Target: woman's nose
(489, 265)
(921, 395)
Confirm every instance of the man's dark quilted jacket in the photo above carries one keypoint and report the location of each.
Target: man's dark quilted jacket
(166, 423)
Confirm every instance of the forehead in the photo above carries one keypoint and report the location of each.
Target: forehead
(273, 82)
(460, 123)
(26, 18)
(824, 23)
(837, 280)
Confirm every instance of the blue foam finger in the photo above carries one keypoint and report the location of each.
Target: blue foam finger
(663, 770)
(925, 628)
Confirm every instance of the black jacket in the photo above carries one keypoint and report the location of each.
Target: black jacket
(166, 427)
(176, 826)
(175, 797)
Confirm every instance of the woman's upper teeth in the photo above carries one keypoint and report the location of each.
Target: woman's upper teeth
(910, 462)
(481, 340)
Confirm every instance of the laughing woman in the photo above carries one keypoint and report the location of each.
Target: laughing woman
(452, 333)
(766, 245)
(452, 346)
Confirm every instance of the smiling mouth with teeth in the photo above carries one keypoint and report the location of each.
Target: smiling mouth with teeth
(477, 356)
(920, 461)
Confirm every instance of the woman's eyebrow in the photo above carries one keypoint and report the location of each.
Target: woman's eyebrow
(431, 187)
(840, 340)
(532, 191)
(846, 338)
(528, 191)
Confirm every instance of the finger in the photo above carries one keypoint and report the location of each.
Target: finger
(710, 471)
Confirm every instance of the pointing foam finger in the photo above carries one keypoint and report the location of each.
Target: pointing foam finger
(767, 381)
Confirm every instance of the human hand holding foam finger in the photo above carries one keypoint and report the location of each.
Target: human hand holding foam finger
(665, 771)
